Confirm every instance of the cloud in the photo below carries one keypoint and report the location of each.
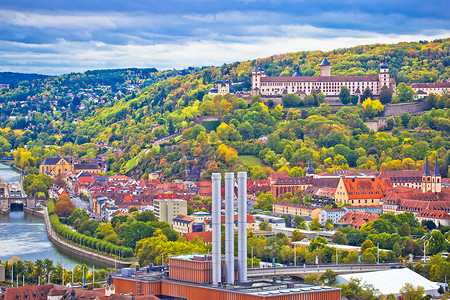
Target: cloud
(59, 37)
(67, 56)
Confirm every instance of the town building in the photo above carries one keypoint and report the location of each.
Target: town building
(284, 208)
(358, 219)
(425, 89)
(438, 217)
(56, 165)
(285, 185)
(168, 209)
(274, 87)
(333, 214)
(274, 222)
(361, 191)
(221, 88)
(431, 182)
(392, 281)
(408, 178)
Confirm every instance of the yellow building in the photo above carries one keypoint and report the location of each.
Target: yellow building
(284, 208)
(56, 165)
(361, 191)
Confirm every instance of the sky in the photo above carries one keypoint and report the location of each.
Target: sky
(58, 37)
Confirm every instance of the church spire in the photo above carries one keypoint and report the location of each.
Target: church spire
(427, 168)
(310, 169)
(436, 168)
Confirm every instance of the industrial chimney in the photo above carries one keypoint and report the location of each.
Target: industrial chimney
(216, 229)
(229, 228)
(242, 226)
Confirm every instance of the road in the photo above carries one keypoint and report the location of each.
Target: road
(80, 203)
(317, 269)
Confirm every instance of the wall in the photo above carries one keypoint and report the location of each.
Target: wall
(62, 244)
(394, 110)
(2, 273)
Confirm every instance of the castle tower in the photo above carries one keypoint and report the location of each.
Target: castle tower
(384, 74)
(436, 179)
(325, 68)
(257, 73)
(310, 169)
(426, 178)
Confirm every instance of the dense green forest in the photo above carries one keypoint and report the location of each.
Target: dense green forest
(128, 109)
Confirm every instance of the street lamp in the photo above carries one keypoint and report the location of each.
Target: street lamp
(295, 255)
(252, 257)
(378, 253)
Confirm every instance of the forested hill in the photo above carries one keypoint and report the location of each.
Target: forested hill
(130, 108)
(14, 78)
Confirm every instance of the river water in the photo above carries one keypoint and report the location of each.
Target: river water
(24, 236)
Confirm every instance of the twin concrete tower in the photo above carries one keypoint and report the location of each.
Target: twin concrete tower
(229, 228)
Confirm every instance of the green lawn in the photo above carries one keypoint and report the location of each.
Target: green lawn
(250, 160)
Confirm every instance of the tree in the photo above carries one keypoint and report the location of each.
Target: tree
(297, 236)
(265, 201)
(371, 108)
(265, 226)
(366, 245)
(436, 243)
(344, 95)
(409, 292)
(132, 209)
(315, 225)
(64, 208)
(328, 277)
(339, 238)
(367, 94)
(404, 93)
(354, 289)
(385, 95)
(404, 230)
(405, 117)
(318, 242)
(368, 257)
(291, 100)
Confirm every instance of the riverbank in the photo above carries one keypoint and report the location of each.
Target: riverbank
(68, 247)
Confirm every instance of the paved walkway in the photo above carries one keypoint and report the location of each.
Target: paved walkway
(80, 251)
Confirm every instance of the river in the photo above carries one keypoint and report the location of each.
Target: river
(24, 236)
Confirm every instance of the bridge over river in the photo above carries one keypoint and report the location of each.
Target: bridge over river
(301, 271)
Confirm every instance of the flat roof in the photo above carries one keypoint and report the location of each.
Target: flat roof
(261, 287)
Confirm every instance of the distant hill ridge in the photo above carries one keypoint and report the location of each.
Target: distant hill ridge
(11, 77)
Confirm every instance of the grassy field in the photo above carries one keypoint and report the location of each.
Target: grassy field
(251, 161)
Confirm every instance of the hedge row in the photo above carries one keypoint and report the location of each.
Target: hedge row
(90, 242)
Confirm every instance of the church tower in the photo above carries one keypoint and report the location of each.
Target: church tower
(257, 73)
(383, 77)
(310, 170)
(436, 179)
(426, 178)
(325, 68)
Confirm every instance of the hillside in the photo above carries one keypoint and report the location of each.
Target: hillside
(129, 109)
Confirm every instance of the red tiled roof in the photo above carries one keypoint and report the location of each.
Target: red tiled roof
(433, 214)
(250, 219)
(318, 78)
(431, 85)
(206, 236)
(296, 205)
(357, 219)
(364, 188)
